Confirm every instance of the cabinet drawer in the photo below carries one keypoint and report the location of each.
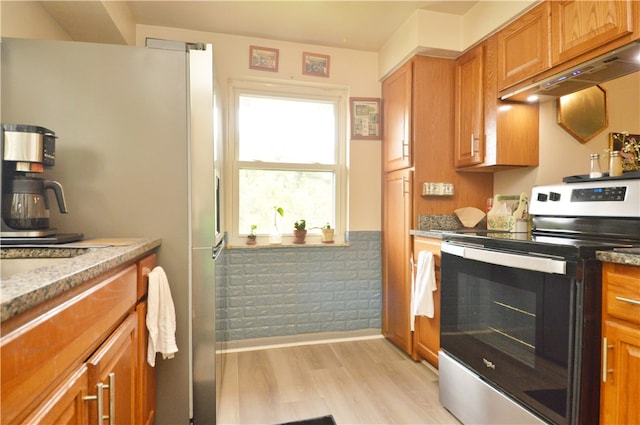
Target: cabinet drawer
(35, 356)
(623, 291)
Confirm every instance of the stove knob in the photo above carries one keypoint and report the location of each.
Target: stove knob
(542, 197)
(554, 196)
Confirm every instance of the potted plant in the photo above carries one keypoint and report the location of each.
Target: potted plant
(251, 237)
(327, 233)
(299, 231)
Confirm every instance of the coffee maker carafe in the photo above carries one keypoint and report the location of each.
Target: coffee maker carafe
(26, 152)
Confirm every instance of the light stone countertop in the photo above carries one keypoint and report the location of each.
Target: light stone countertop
(22, 291)
(631, 259)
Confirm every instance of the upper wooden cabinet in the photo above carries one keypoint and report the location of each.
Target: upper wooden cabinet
(396, 139)
(469, 108)
(580, 26)
(523, 47)
(491, 135)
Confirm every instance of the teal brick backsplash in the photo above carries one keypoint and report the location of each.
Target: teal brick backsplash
(299, 290)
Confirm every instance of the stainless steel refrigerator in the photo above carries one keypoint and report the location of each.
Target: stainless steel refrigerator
(135, 155)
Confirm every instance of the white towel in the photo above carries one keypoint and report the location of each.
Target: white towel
(422, 287)
(161, 317)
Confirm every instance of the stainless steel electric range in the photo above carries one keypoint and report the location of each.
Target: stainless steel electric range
(520, 312)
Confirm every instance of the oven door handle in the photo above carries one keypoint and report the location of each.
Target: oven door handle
(526, 262)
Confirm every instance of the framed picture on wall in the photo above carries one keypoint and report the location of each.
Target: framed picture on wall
(263, 58)
(315, 64)
(365, 118)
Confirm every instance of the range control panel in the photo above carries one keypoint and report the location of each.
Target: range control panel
(619, 198)
(599, 194)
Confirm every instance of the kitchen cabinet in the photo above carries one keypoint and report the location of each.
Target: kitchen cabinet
(578, 27)
(426, 337)
(396, 140)
(620, 387)
(469, 104)
(396, 269)
(57, 355)
(145, 377)
(523, 47)
(505, 134)
(430, 120)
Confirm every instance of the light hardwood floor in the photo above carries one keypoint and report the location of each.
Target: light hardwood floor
(358, 382)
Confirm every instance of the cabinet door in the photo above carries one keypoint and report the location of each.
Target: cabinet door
(66, 405)
(396, 140)
(114, 365)
(426, 338)
(396, 250)
(523, 47)
(469, 117)
(580, 26)
(145, 374)
(621, 389)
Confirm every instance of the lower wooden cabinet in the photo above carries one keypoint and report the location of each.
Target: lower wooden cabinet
(81, 360)
(66, 405)
(620, 387)
(396, 248)
(426, 337)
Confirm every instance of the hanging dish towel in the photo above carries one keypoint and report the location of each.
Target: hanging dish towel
(161, 317)
(423, 284)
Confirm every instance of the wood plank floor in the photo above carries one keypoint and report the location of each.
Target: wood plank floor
(358, 382)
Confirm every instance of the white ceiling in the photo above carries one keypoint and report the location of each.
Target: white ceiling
(360, 24)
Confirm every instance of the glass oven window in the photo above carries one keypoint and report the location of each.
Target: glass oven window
(513, 327)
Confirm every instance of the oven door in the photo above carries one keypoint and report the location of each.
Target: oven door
(510, 318)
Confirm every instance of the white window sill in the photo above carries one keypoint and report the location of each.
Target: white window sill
(287, 245)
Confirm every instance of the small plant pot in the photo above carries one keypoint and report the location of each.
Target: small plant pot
(327, 235)
(299, 236)
(251, 240)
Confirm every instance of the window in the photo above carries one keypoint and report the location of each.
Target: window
(288, 150)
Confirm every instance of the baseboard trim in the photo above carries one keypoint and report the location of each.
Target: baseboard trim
(255, 344)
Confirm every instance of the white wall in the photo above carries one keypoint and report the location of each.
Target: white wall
(560, 154)
(353, 69)
(22, 19)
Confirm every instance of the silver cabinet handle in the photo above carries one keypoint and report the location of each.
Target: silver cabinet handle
(405, 147)
(112, 398)
(605, 364)
(100, 387)
(628, 300)
(404, 191)
(473, 144)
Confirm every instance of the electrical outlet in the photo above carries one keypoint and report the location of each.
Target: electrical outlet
(437, 189)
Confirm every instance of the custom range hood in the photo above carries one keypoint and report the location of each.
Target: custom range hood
(617, 63)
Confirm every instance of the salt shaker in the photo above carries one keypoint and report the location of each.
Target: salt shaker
(595, 166)
(615, 164)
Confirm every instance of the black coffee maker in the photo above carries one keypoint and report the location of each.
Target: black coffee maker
(27, 151)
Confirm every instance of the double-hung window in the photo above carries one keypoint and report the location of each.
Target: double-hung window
(288, 151)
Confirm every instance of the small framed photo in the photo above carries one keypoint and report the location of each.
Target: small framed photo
(315, 64)
(365, 118)
(263, 58)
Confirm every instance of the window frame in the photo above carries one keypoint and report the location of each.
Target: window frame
(339, 96)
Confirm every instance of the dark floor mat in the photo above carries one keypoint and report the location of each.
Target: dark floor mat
(324, 420)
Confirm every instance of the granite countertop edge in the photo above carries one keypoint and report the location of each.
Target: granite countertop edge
(619, 257)
(23, 291)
